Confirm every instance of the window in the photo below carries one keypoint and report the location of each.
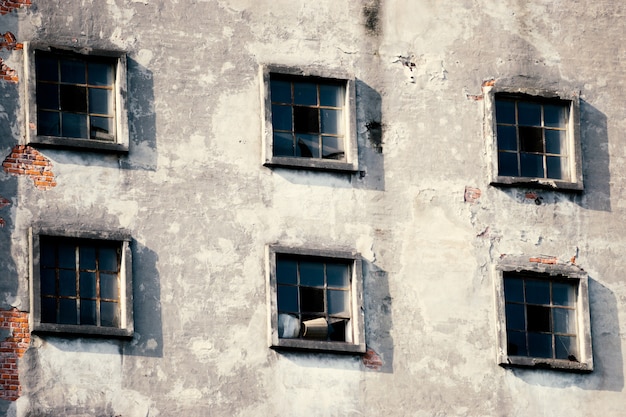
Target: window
(315, 300)
(81, 284)
(78, 100)
(544, 319)
(535, 138)
(309, 120)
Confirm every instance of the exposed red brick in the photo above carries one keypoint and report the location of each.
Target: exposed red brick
(11, 350)
(7, 6)
(372, 360)
(7, 73)
(8, 41)
(489, 83)
(547, 260)
(471, 194)
(24, 160)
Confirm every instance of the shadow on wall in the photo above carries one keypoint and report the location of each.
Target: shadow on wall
(596, 159)
(608, 373)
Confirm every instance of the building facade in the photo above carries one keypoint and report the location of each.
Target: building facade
(331, 208)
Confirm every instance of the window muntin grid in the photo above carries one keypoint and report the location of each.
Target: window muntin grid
(80, 281)
(308, 117)
(75, 96)
(532, 138)
(314, 298)
(541, 317)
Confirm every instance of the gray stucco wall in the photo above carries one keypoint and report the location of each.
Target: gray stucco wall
(201, 207)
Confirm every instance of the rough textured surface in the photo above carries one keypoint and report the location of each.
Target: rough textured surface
(201, 207)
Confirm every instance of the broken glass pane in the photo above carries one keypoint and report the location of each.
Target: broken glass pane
(101, 128)
(538, 318)
(530, 139)
(337, 330)
(306, 120)
(566, 347)
(73, 98)
(332, 147)
(311, 300)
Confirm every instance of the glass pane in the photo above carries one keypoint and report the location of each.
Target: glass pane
(555, 166)
(306, 120)
(48, 96)
(288, 298)
(67, 311)
(48, 124)
(531, 165)
(308, 146)
(515, 317)
(505, 112)
(331, 95)
(88, 312)
(74, 125)
(538, 318)
(540, 345)
(47, 68)
(280, 91)
(281, 117)
(514, 289)
(109, 287)
(529, 114)
(286, 271)
(530, 139)
(337, 330)
(507, 164)
(566, 347)
(67, 283)
(311, 300)
(101, 128)
(338, 302)
(332, 147)
(47, 254)
(73, 71)
(537, 292)
(563, 294)
(564, 320)
(100, 73)
(516, 344)
(338, 275)
(305, 93)
(67, 255)
(108, 259)
(555, 141)
(283, 144)
(48, 310)
(87, 257)
(312, 274)
(507, 139)
(48, 281)
(332, 121)
(554, 115)
(100, 101)
(87, 285)
(73, 98)
(109, 314)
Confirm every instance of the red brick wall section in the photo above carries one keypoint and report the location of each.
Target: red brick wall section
(372, 360)
(25, 160)
(7, 6)
(11, 349)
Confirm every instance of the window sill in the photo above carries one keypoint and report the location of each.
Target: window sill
(550, 184)
(311, 164)
(323, 346)
(545, 363)
(82, 330)
(79, 143)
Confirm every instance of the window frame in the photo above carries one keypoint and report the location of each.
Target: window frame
(544, 96)
(553, 273)
(120, 142)
(357, 345)
(350, 164)
(126, 327)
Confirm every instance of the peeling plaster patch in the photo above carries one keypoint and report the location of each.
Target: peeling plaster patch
(372, 360)
(24, 160)
(184, 394)
(144, 56)
(471, 194)
(203, 350)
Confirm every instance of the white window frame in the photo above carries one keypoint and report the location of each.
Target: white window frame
(550, 272)
(351, 163)
(126, 325)
(574, 168)
(32, 137)
(357, 342)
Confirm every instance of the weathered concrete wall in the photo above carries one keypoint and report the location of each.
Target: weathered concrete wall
(201, 207)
